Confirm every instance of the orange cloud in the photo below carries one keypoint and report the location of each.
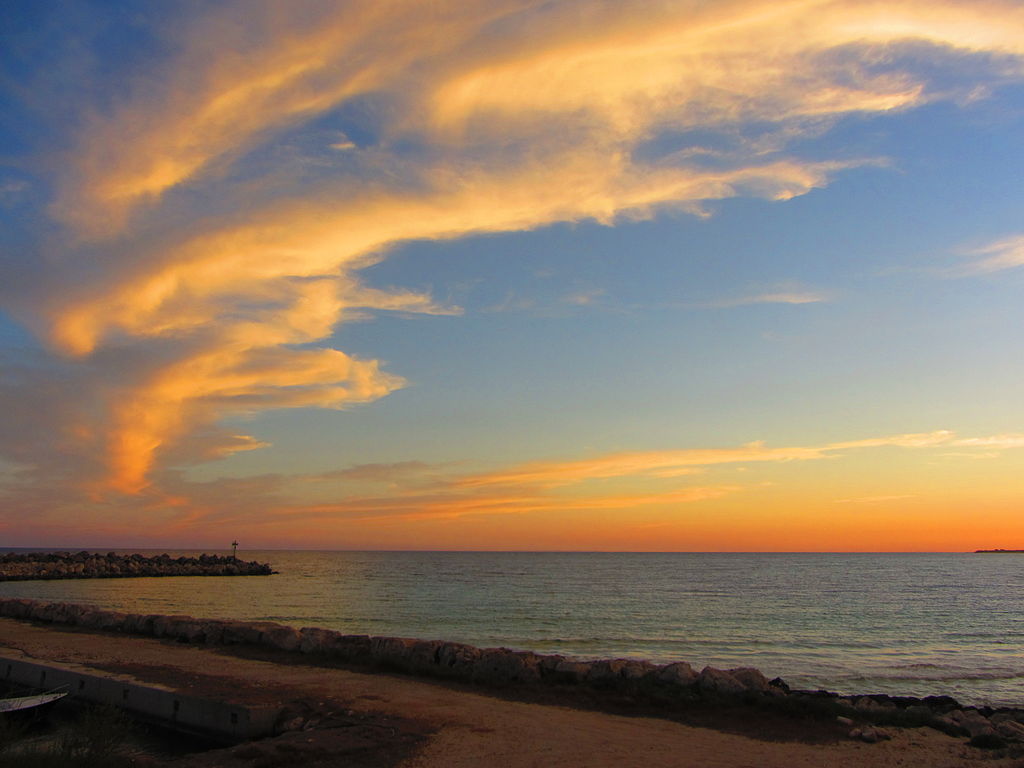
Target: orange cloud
(548, 474)
(208, 291)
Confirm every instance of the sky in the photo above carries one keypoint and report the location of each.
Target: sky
(683, 275)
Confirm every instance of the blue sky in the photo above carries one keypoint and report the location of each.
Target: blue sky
(337, 273)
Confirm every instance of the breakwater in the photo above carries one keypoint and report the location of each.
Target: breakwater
(669, 684)
(91, 565)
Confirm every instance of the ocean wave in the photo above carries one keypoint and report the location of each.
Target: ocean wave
(948, 677)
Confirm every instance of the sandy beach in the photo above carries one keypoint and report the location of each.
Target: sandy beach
(380, 719)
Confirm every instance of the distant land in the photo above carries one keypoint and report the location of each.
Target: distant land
(996, 551)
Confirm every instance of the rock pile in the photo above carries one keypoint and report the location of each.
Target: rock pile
(984, 726)
(91, 565)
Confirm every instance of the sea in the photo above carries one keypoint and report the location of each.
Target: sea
(902, 624)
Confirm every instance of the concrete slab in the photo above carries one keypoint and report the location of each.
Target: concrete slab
(147, 701)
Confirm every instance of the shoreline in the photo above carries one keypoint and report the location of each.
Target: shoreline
(377, 718)
(649, 684)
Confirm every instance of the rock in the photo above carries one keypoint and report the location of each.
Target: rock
(64, 565)
(869, 705)
(549, 663)
(295, 724)
(606, 672)
(282, 638)
(779, 684)
(391, 651)
(457, 659)
(188, 631)
(720, 682)
(679, 674)
(569, 671)
(940, 703)
(972, 721)
(751, 678)
(353, 648)
(919, 712)
(870, 735)
(988, 740)
(1010, 729)
(315, 640)
(424, 656)
(844, 720)
(501, 666)
(947, 725)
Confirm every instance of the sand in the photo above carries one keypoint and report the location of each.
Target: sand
(376, 719)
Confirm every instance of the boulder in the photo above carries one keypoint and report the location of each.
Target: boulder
(972, 721)
(570, 671)
(637, 670)
(392, 651)
(719, 682)
(752, 679)
(870, 735)
(680, 675)
(282, 638)
(870, 706)
(457, 659)
(423, 656)
(1010, 729)
(164, 626)
(350, 647)
(500, 666)
(606, 672)
(548, 663)
(316, 640)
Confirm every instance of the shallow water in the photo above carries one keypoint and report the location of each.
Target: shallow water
(909, 624)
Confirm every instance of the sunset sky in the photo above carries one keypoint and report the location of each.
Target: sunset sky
(512, 274)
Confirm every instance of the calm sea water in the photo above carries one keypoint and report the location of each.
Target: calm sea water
(914, 624)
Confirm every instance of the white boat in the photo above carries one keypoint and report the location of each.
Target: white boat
(34, 703)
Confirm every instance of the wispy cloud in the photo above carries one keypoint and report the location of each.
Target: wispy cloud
(1003, 254)
(772, 297)
(368, 500)
(185, 282)
(584, 298)
(666, 464)
(875, 499)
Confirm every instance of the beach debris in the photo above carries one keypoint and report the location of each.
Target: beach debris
(870, 735)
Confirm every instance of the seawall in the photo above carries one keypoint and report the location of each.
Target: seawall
(500, 667)
(15, 566)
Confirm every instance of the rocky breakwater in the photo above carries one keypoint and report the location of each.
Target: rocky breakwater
(670, 686)
(92, 565)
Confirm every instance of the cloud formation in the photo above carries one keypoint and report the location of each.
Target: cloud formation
(200, 253)
(1003, 254)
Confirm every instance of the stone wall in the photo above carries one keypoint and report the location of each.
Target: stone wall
(491, 666)
(91, 565)
(502, 667)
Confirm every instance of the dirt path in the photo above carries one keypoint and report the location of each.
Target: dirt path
(424, 724)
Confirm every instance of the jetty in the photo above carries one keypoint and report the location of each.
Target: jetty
(18, 566)
(998, 551)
